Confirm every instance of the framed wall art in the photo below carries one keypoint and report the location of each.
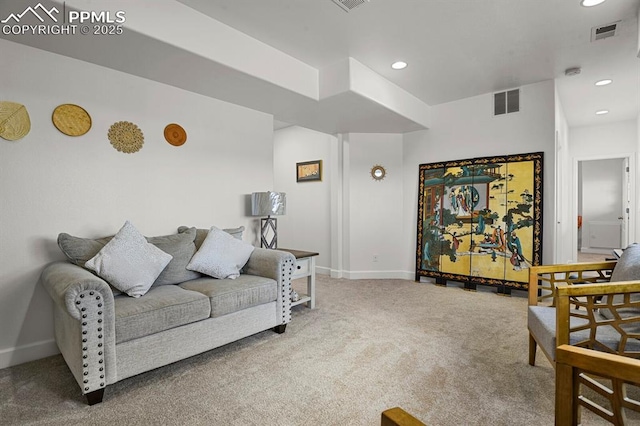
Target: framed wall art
(309, 171)
(480, 221)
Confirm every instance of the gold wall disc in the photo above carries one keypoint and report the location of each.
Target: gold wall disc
(71, 119)
(126, 137)
(14, 121)
(175, 134)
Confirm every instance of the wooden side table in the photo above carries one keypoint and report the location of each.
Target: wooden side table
(305, 267)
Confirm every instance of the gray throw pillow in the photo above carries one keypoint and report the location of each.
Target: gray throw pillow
(129, 262)
(182, 248)
(80, 250)
(221, 255)
(201, 234)
(627, 269)
(628, 266)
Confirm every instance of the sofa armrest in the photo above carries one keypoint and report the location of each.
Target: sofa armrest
(65, 281)
(267, 263)
(84, 323)
(279, 266)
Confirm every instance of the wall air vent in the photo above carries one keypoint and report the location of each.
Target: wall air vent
(605, 31)
(349, 5)
(506, 102)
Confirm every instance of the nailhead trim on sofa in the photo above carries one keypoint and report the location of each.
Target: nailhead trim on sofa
(89, 304)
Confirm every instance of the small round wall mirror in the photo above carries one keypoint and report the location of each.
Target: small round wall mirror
(378, 172)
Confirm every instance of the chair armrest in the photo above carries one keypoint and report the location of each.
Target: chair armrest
(575, 366)
(544, 279)
(588, 299)
(84, 323)
(398, 417)
(279, 266)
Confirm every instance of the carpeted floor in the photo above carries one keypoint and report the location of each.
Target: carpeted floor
(448, 356)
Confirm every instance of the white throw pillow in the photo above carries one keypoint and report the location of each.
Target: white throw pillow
(220, 255)
(128, 262)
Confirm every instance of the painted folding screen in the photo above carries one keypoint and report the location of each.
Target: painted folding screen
(480, 220)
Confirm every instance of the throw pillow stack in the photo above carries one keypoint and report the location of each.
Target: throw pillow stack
(132, 263)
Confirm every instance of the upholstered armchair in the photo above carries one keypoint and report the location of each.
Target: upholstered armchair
(586, 319)
(541, 316)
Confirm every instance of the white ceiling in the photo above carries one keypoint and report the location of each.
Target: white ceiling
(460, 48)
(455, 49)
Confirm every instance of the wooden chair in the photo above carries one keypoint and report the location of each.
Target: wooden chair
(398, 417)
(543, 283)
(577, 368)
(595, 347)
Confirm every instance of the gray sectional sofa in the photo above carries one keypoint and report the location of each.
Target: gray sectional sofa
(106, 336)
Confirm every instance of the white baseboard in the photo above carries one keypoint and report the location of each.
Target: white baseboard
(363, 275)
(390, 275)
(596, 250)
(21, 354)
(323, 270)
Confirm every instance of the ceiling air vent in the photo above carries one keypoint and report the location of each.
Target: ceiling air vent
(605, 31)
(349, 5)
(506, 102)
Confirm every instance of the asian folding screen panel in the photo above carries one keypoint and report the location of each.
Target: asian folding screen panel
(480, 221)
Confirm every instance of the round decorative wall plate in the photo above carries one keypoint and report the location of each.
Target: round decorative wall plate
(71, 120)
(378, 172)
(126, 137)
(175, 134)
(14, 121)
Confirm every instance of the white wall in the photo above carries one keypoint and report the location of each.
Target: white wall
(379, 218)
(467, 129)
(614, 140)
(52, 183)
(307, 224)
(375, 207)
(346, 232)
(564, 222)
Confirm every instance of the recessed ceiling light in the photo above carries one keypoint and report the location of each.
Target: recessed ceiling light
(604, 82)
(589, 3)
(602, 112)
(399, 65)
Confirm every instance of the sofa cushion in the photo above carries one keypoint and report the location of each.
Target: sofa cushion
(221, 255)
(229, 296)
(542, 324)
(162, 308)
(80, 250)
(201, 234)
(129, 262)
(182, 247)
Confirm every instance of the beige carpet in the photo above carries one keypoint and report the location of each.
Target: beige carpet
(448, 356)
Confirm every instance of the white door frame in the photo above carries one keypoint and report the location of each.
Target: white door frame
(630, 159)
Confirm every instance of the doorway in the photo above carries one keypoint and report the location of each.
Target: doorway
(603, 207)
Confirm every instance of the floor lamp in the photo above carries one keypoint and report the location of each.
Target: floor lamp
(268, 204)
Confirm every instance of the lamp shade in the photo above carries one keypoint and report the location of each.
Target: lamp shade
(268, 203)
